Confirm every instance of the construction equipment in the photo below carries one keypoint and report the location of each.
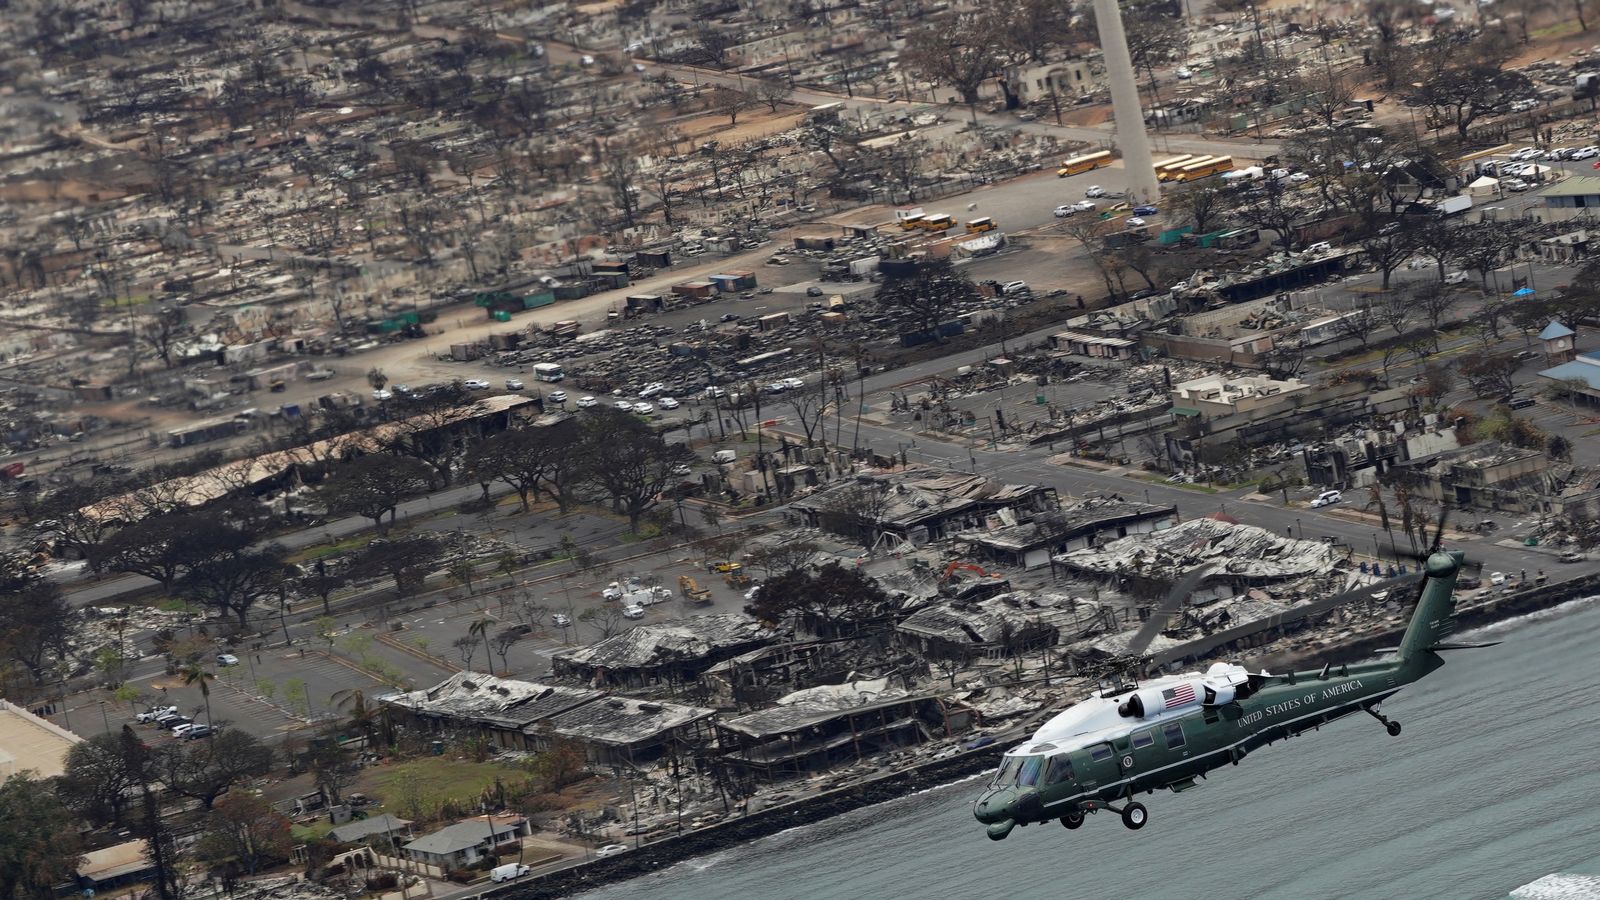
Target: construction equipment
(692, 591)
(725, 567)
(959, 566)
(737, 580)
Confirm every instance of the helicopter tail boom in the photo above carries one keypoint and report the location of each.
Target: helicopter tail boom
(1435, 615)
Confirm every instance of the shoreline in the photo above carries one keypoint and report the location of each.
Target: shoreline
(670, 851)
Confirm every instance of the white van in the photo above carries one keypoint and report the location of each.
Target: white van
(723, 457)
(507, 872)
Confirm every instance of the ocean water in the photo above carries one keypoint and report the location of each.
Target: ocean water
(1494, 785)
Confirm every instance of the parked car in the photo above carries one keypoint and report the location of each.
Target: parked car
(652, 389)
(644, 409)
(561, 620)
(1014, 287)
(1526, 153)
(513, 384)
(1572, 556)
(149, 716)
(668, 403)
(1516, 184)
(1145, 210)
(557, 396)
(611, 850)
(1299, 178)
(1136, 222)
(1064, 211)
(681, 470)
(814, 291)
(794, 384)
(475, 384)
(624, 405)
(191, 732)
(1326, 498)
(1585, 153)
(1497, 578)
(381, 395)
(1085, 206)
(633, 611)
(1183, 73)
(227, 659)
(586, 402)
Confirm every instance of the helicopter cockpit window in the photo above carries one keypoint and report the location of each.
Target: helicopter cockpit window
(1060, 769)
(1008, 771)
(1031, 770)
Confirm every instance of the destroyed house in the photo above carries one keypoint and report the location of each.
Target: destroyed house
(623, 731)
(668, 652)
(998, 627)
(766, 673)
(1085, 524)
(501, 709)
(819, 727)
(1236, 556)
(921, 507)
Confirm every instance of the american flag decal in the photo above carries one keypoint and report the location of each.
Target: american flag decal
(1178, 696)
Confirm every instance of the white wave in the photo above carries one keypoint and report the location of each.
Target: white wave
(1560, 886)
(1515, 622)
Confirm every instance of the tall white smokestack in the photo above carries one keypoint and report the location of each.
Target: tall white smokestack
(1131, 137)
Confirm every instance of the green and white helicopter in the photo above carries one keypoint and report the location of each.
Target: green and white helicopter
(1135, 738)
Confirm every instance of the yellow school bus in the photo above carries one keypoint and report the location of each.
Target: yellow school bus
(1206, 167)
(1166, 167)
(911, 222)
(980, 225)
(936, 222)
(1088, 162)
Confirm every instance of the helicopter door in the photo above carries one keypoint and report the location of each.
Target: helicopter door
(1097, 766)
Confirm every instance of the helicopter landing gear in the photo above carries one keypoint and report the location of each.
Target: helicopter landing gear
(1134, 815)
(1072, 819)
(1389, 724)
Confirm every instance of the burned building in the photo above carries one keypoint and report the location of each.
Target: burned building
(819, 727)
(762, 675)
(920, 507)
(622, 731)
(1235, 556)
(1087, 523)
(666, 653)
(998, 627)
(504, 710)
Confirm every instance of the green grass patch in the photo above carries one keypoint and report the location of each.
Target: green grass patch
(307, 834)
(440, 778)
(174, 604)
(322, 551)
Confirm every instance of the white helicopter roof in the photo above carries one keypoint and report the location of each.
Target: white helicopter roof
(1096, 719)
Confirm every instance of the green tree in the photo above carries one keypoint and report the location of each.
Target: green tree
(95, 780)
(407, 560)
(373, 487)
(236, 581)
(246, 830)
(205, 770)
(628, 462)
(36, 626)
(930, 293)
(39, 844)
(830, 600)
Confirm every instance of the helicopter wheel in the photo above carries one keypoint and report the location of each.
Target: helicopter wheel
(1134, 815)
(1072, 820)
(1393, 728)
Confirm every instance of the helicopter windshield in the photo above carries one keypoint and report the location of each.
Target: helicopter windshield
(1019, 771)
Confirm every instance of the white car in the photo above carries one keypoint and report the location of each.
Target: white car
(1183, 73)
(561, 620)
(1094, 190)
(586, 402)
(644, 409)
(1299, 178)
(1085, 206)
(1015, 287)
(633, 611)
(668, 403)
(716, 392)
(611, 850)
(1497, 578)
(1137, 222)
(1526, 153)
(681, 470)
(652, 389)
(1280, 174)
(150, 715)
(1584, 153)
(625, 406)
(381, 395)
(227, 659)
(557, 397)
(1064, 211)
(475, 384)
(1515, 184)
(794, 384)
(513, 384)
(1326, 498)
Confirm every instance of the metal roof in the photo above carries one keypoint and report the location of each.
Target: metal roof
(1585, 370)
(681, 640)
(621, 721)
(816, 705)
(1555, 330)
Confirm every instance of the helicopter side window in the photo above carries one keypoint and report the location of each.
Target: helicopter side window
(1008, 772)
(1143, 739)
(1031, 770)
(1060, 769)
(1100, 753)
(1174, 735)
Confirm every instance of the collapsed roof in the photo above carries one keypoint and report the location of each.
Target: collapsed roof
(623, 721)
(683, 640)
(815, 705)
(476, 696)
(1244, 552)
(987, 621)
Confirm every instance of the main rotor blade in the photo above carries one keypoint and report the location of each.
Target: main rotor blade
(1172, 603)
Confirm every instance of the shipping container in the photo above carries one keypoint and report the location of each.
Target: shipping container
(696, 289)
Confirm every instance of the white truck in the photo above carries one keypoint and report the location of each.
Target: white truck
(1452, 206)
